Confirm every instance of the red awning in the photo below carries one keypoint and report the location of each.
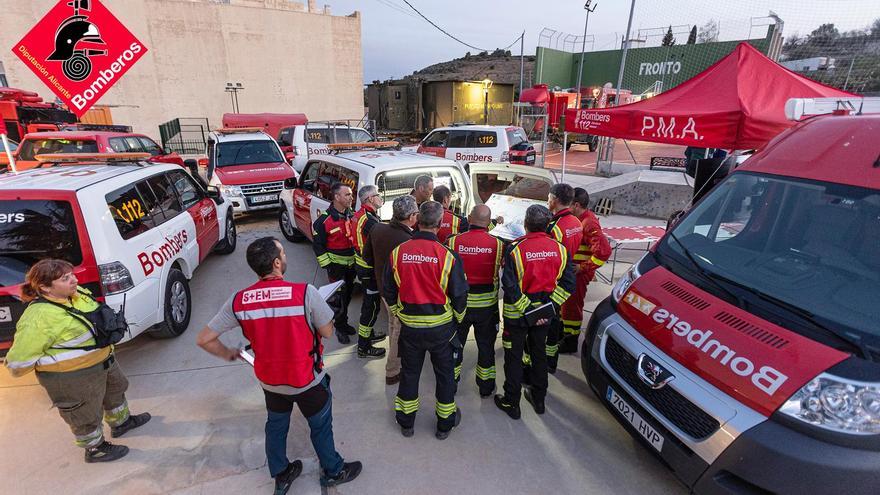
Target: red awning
(536, 95)
(737, 103)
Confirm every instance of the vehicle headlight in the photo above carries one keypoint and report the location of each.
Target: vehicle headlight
(625, 282)
(230, 190)
(837, 404)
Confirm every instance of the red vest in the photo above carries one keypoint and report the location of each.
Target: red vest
(421, 268)
(480, 253)
(540, 262)
(566, 228)
(450, 224)
(272, 317)
(358, 223)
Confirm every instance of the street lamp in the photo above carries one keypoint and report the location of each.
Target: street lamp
(584, 48)
(233, 90)
(487, 83)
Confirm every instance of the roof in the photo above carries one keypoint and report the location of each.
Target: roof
(473, 127)
(70, 178)
(263, 119)
(737, 103)
(832, 148)
(78, 134)
(241, 136)
(382, 160)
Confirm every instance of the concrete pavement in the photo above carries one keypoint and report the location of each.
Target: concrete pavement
(206, 435)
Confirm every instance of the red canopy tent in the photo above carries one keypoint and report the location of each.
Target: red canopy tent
(737, 103)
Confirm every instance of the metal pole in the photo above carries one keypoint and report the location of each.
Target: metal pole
(8, 153)
(846, 82)
(632, 9)
(584, 49)
(522, 61)
(486, 106)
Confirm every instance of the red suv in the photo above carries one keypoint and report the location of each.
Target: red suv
(40, 143)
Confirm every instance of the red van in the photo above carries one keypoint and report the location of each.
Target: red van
(744, 348)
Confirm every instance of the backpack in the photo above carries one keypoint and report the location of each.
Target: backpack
(106, 325)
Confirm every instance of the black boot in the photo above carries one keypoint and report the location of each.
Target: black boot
(342, 337)
(375, 339)
(346, 329)
(443, 435)
(509, 408)
(537, 405)
(285, 479)
(105, 452)
(131, 423)
(569, 344)
(371, 352)
(350, 471)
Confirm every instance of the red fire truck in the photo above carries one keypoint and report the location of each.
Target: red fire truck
(24, 111)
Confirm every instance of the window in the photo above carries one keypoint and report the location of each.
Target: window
(248, 153)
(167, 205)
(30, 148)
(134, 145)
(460, 139)
(150, 146)
(31, 230)
(318, 135)
(516, 136)
(189, 193)
(398, 183)
(130, 210)
(436, 139)
(485, 139)
(511, 184)
(810, 245)
(285, 137)
(119, 145)
(360, 136)
(311, 171)
(331, 173)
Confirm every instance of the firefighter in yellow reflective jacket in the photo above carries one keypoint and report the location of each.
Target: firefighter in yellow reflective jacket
(80, 379)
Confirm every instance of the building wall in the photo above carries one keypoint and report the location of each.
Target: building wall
(556, 68)
(289, 60)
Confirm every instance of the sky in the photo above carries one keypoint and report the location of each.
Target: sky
(396, 41)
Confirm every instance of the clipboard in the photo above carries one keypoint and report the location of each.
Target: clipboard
(545, 311)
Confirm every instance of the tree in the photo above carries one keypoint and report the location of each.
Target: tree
(709, 32)
(668, 39)
(824, 33)
(692, 38)
(875, 28)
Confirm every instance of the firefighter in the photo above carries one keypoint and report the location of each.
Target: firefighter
(566, 228)
(536, 271)
(592, 253)
(362, 223)
(480, 254)
(284, 323)
(424, 285)
(333, 247)
(423, 188)
(452, 223)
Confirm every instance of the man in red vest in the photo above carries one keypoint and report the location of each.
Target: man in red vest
(452, 223)
(424, 285)
(480, 254)
(566, 228)
(333, 247)
(362, 224)
(592, 253)
(284, 323)
(536, 272)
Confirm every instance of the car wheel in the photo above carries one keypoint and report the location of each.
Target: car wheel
(178, 307)
(568, 145)
(290, 232)
(227, 245)
(586, 351)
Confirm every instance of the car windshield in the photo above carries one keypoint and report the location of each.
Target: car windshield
(516, 136)
(247, 153)
(31, 230)
(398, 183)
(810, 247)
(30, 148)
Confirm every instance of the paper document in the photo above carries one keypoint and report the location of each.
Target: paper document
(246, 356)
(327, 290)
(513, 209)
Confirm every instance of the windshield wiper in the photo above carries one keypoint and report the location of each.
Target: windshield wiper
(808, 317)
(703, 273)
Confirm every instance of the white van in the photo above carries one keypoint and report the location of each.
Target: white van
(305, 141)
(135, 232)
(480, 143)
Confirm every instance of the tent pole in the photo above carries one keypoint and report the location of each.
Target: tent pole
(564, 152)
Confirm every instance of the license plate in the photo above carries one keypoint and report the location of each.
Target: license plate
(265, 198)
(530, 159)
(642, 426)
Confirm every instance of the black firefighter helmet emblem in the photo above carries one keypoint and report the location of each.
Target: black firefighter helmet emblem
(75, 30)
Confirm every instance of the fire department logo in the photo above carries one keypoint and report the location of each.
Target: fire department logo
(79, 49)
(652, 374)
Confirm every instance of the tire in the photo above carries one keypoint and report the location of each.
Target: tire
(178, 307)
(227, 245)
(591, 146)
(568, 145)
(290, 232)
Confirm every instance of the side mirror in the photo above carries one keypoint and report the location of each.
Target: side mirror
(192, 165)
(213, 192)
(309, 185)
(290, 183)
(674, 218)
(167, 151)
